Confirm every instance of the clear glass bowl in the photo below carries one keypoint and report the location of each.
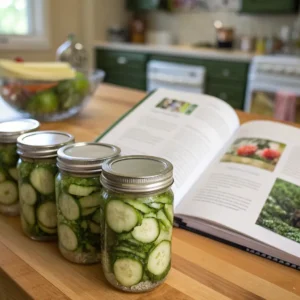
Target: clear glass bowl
(50, 101)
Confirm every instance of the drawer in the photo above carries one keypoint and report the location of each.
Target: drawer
(230, 94)
(127, 80)
(269, 6)
(121, 61)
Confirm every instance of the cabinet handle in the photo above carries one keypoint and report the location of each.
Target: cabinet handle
(226, 72)
(122, 60)
(223, 96)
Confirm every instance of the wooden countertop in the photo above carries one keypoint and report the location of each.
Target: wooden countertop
(202, 268)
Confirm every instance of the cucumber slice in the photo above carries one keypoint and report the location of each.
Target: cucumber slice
(92, 200)
(13, 172)
(81, 191)
(8, 192)
(139, 206)
(163, 218)
(128, 271)
(47, 230)
(2, 176)
(42, 180)
(88, 211)
(27, 194)
(164, 235)
(150, 215)
(147, 232)
(84, 224)
(163, 199)
(124, 236)
(69, 207)
(127, 249)
(97, 216)
(47, 215)
(28, 213)
(159, 260)
(67, 237)
(120, 216)
(95, 228)
(156, 205)
(169, 212)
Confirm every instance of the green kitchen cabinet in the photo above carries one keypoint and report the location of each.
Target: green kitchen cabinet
(269, 6)
(123, 68)
(142, 5)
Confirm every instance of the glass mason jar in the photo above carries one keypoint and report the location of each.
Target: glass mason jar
(78, 199)
(9, 132)
(137, 223)
(37, 170)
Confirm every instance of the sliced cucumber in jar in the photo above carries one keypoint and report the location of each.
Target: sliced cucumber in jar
(159, 261)
(47, 215)
(120, 216)
(13, 172)
(139, 206)
(88, 211)
(67, 237)
(128, 271)
(150, 215)
(147, 232)
(163, 199)
(28, 194)
(97, 216)
(69, 207)
(127, 249)
(8, 192)
(95, 228)
(92, 200)
(42, 180)
(163, 218)
(169, 212)
(156, 205)
(47, 229)
(81, 191)
(2, 176)
(164, 235)
(28, 213)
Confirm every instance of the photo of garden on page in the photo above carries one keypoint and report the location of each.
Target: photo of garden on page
(254, 186)
(185, 128)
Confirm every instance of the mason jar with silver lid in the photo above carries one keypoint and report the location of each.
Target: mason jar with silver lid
(137, 202)
(78, 195)
(37, 170)
(9, 132)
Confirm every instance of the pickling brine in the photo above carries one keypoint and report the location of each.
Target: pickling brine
(137, 223)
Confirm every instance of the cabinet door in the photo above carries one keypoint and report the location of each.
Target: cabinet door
(137, 5)
(269, 6)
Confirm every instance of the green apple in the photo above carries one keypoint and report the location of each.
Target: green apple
(43, 103)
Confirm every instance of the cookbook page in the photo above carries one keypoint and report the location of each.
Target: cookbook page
(254, 186)
(185, 128)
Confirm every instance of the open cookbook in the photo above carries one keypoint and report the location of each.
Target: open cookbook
(237, 183)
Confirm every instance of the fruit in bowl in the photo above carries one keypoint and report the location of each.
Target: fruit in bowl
(54, 98)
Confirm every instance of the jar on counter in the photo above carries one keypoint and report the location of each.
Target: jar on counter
(9, 132)
(37, 170)
(78, 195)
(137, 202)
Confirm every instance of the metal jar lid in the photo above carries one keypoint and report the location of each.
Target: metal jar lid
(11, 130)
(137, 174)
(42, 144)
(85, 158)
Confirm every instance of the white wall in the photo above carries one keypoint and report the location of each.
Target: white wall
(198, 26)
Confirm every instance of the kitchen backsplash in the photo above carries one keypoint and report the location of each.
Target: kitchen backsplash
(197, 26)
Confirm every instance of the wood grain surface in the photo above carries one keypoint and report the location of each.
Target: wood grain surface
(201, 269)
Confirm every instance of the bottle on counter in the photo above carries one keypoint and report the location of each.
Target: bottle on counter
(137, 202)
(74, 53)
(9, 132)
(37, 170)
(78, 199)
(137, 29)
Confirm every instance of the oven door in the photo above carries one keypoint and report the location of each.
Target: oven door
(274, 100)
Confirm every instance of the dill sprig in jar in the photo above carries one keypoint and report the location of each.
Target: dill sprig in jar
(9, 132)
(137, 223)
(78, 196)
(37, 170)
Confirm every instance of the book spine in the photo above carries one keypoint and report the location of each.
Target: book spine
(178, 223)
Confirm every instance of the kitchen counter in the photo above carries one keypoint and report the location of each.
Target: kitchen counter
(179, 50)
(202, 268)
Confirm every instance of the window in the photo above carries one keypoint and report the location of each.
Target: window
(23, 24)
